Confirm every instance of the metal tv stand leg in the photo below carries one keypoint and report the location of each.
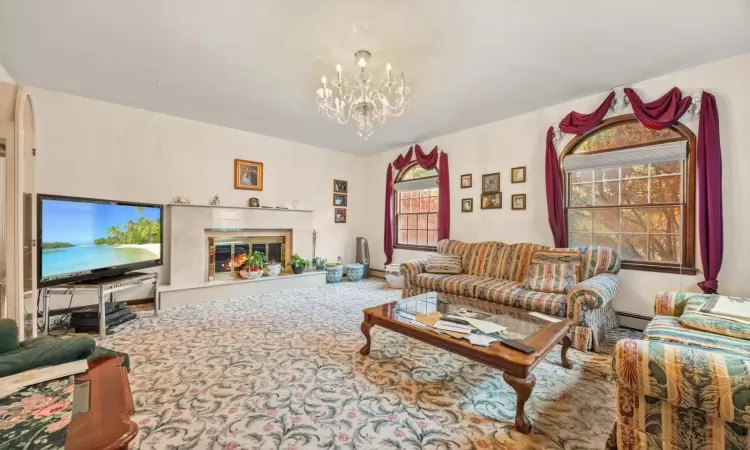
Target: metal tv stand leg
(102, 318)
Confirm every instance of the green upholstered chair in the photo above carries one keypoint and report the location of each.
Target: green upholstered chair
(16, 357)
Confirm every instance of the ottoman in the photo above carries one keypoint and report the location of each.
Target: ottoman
(334, 273)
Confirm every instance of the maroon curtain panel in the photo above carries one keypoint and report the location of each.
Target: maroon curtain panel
(710, 210)
(663, 112)
(577, 123)
(432, 160)
(553, 181)
(444, 198)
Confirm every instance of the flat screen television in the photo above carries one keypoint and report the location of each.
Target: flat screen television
(85, 238)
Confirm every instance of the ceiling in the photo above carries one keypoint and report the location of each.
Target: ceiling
(255, 65)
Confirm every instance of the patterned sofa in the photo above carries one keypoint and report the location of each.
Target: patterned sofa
(495, 271)
(681, 388)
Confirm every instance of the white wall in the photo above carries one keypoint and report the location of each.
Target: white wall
(96, 149)
(4, 76)
(520, 141)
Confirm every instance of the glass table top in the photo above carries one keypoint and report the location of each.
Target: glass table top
(520, 325)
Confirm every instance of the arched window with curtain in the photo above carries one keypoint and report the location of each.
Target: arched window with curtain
(633, 189)
(416, 208)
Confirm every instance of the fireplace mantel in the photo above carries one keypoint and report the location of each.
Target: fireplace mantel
(239, 207)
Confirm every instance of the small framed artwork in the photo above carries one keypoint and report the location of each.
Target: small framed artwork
(467, 205)
(518, 175)
(339, 199)
(339, 215)
(466, 181)
(248, 175)
(492, 201)
(491, 183)
(253, 203)
(518, 201)
(340, 186)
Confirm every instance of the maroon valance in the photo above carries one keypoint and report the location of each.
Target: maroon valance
(658, 114)
(433, 160)
(663, 112)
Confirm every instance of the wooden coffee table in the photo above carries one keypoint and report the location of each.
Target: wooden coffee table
(538, 333)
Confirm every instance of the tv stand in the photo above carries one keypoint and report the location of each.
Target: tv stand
(103, 287)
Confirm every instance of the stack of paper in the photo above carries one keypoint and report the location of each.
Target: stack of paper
(454, 327)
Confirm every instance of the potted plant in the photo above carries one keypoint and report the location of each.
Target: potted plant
(254, 265)
(299, 263)
(320, 263)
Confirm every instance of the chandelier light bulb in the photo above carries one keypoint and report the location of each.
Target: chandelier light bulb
(388, 68)
(362, 63)
(324, 80)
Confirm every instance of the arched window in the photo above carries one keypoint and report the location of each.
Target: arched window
(633, 189)
(416, 208)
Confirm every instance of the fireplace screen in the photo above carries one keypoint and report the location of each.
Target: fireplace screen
(226, 256)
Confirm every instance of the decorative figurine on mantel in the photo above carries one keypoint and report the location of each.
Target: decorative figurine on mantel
(253, 203)
(215, 201)
(181, 200)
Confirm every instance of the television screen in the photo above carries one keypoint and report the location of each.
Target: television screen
(81, 238)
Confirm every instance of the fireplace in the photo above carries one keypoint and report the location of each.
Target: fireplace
(227, 255)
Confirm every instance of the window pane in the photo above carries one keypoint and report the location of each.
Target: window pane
(607, 240)
(582, 176)
(666, 189)
(607, 193)
(414, 202)
(637, 171)
(403, 195)
(422, 237)
(405, 206)
(433, 204)
(432, 237)
(579, 220)
(416, 171)
(671, 167)
(412, 237)
(634, 220)
(609, 173)
(402, 221)
(581, 194)
(624, 134)
(412, 222)
(422, 222)
(666, 220)
(402, 236)
(633, 247)
(433, 192)
(606, 220)
(665, 248)
(424, 204)
(424, 193)
(635, 192)
(432, 222)
(579, 240)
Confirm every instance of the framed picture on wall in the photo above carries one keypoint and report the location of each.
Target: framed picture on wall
(491, 183)
(340, 186)
(339, 215)
(467, 205)
(466, 181)
(339, 199)
(518, 175)
(248, 175)
(492, 201)
(518, 201)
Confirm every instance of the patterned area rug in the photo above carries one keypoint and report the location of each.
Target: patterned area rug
(282, 370)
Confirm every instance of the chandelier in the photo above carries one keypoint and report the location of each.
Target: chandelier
(363, 103)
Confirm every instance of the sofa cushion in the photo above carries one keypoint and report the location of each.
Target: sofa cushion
(449, 284)
(731, 307)
(711, 323)
(668, 328)
(447, 264)
(510, 293)
(554, 278)
(460, 248)
(514, 260)
(482, 260)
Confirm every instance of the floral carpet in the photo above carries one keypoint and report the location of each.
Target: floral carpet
(282, 371)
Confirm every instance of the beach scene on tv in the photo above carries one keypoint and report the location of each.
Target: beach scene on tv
(81, 236)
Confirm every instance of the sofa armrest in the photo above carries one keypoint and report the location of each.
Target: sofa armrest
(592, 293)
(411, 269)
(685, 376)
(674, 303)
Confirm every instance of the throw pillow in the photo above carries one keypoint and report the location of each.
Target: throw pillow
(725, 326)
(446, 264)
(730, 307)
(560, 256)
(551, 278)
